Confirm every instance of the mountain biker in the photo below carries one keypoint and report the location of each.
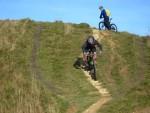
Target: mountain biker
(90, 45)
(105, 14)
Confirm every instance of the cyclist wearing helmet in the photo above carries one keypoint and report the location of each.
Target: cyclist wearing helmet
(105, 16)
(90, 45)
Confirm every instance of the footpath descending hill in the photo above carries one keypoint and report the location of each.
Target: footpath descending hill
(37, 73)
(105, 95)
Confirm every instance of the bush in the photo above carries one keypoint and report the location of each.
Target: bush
(84, 25)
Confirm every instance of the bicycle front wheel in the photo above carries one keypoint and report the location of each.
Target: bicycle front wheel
(93, 73)
(101, 26)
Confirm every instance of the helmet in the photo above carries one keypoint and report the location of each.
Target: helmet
(100, 7)
(90, 40)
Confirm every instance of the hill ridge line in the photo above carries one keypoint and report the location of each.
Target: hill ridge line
(105, 95)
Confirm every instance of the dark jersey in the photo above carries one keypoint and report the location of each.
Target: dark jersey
(91, 47)
(104, 15)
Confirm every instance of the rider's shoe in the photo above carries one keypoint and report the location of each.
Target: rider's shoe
(95, 79)
(86, 66)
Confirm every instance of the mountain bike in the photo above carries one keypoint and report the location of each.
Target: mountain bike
(112, 25)
(91, 65)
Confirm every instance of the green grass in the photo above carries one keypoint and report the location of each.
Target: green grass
(125, 72)
(37, 73)
(57, 55)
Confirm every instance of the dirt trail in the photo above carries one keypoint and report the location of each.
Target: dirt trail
(105, 95)
(35, 68)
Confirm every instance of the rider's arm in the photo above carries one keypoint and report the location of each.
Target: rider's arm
(83, 47)
(102, 14)
(99, 46)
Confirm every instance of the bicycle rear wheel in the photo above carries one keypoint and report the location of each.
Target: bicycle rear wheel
(113, 27)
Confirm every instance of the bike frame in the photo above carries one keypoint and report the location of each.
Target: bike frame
(90, 57)
(102, 26)
(91, 64)
(109, 20)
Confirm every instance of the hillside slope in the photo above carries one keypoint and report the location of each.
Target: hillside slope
(37, 73)
(36, 64)
(124, 68)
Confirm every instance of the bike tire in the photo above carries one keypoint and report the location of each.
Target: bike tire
(93, 73)
(101, 26)
(114, 27)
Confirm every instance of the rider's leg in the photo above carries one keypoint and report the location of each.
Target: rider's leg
(94, 54)
(85, 54)
(107, 24)
(94, 57)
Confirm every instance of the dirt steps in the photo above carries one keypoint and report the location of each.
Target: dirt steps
(105, 95)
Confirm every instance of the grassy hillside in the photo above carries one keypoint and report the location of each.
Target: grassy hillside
(37, 73)
(36, 64)
(124, 68)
